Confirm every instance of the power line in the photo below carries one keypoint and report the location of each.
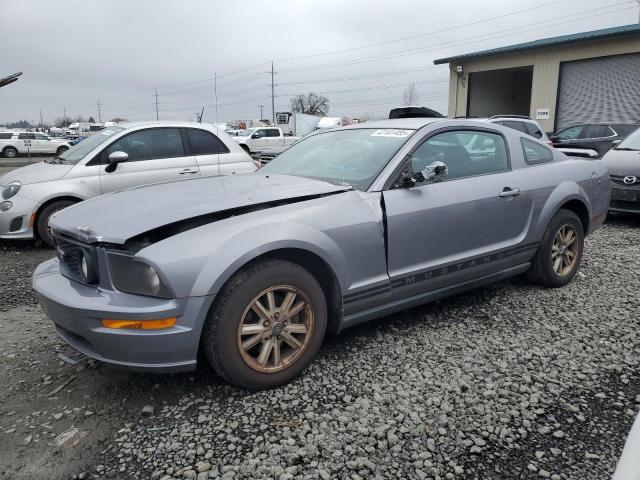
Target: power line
(412, 37)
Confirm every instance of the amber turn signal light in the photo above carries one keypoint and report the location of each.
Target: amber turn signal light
(140, 324)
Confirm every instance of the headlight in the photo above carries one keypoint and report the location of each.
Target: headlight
(4, 206)
(10, 190)
(131, 276)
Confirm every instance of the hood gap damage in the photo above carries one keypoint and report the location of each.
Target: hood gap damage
(144, 239)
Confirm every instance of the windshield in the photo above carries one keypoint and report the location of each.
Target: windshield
(632, 142)
(246, 133)
(79, 150)
(352, 157)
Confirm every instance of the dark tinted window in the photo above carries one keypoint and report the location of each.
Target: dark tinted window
(204, 143)
(515, 125)
(535, 153)
(624, 130)
(466, 153)
(150, 144)
(533, 130)
(272, 132)
(27, 136)
(6, 136)
(40, 136)
(571, 133)
(595, 131)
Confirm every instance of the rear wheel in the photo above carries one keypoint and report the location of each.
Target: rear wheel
(61, 150)
(267, 326)
(42, 221)
(558, 256)
(9, 152)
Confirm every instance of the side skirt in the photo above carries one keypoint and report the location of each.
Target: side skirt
(410, 302)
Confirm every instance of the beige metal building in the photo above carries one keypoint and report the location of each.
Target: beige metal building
(561, 81)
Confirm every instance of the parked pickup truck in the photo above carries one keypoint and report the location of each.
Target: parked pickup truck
(14, 144)
(263, 139)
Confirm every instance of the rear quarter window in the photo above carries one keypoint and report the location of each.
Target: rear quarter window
(6, 136)
(534, 153)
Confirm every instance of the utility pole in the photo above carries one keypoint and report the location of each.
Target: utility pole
(157, 116)
(215, 94)
(639, 11)
(99, 111)
(41, 122)
(273, 101)
(261, 107)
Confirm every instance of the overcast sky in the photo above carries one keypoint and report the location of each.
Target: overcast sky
(74, 52)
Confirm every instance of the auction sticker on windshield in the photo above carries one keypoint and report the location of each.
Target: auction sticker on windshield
(388, 132)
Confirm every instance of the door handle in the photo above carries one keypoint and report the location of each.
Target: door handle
(509, 192)
(187, 170)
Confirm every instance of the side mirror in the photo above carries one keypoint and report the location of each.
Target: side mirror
(436, 172)
(256, 135)
(114, 159)
(616, 142)
(553, 138)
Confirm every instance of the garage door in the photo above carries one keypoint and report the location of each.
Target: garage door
(599, 90)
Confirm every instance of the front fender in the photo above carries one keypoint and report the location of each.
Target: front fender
(241, 249)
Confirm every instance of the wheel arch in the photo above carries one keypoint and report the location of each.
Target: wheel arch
(578, 207)
(45, 204)
(314, 264)
(569, 196)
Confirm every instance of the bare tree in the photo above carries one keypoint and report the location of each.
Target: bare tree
(410, 95)
(311, 103)
(62, 122)
(118, 119)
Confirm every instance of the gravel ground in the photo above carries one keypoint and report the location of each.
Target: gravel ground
(508, 381)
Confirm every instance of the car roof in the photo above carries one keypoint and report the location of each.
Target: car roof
(409, 123)
(164, 123)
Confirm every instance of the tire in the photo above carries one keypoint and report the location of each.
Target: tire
(10, 152)
(42, 220)
(61, 150)
(222, 341)
(542, 271)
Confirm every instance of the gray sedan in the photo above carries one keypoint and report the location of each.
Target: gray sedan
(623, 162)
(345, 226)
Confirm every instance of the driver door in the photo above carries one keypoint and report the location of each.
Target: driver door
(259, 139)
(155, 155)
(460, 228)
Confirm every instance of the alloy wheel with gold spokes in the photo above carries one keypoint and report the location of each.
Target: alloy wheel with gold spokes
(275, 328)
(564, 250)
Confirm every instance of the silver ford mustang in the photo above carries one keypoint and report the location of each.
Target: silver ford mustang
(345, 226)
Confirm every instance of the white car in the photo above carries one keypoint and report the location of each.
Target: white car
(263, 139)
(14, 144)
(123, 156)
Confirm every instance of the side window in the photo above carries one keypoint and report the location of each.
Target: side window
(260, 133)
(6, 136)
(466, 153)
(272, 132)
(535, 153)
(40, 136)
(533, 130)
(595, 131)
(150, 144)
(571, 133)
(205, 143)
(27, 136)
(515, 125)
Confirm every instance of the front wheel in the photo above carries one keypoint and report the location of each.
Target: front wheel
(267, 326)
(558, 257)
(42, 221)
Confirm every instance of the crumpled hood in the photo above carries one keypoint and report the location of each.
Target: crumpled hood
(119, 216)
(36, 173)
(622, 162)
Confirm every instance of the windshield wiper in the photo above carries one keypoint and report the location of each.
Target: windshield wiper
(628, 149)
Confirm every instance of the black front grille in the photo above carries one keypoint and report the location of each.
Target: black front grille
(70, 254)
(625, 205)
(16, 224)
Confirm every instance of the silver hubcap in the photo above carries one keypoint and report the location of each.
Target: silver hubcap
(564, 250)
(275, 328)
(10, 153)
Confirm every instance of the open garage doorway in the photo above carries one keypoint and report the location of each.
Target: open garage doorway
(500, 92)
